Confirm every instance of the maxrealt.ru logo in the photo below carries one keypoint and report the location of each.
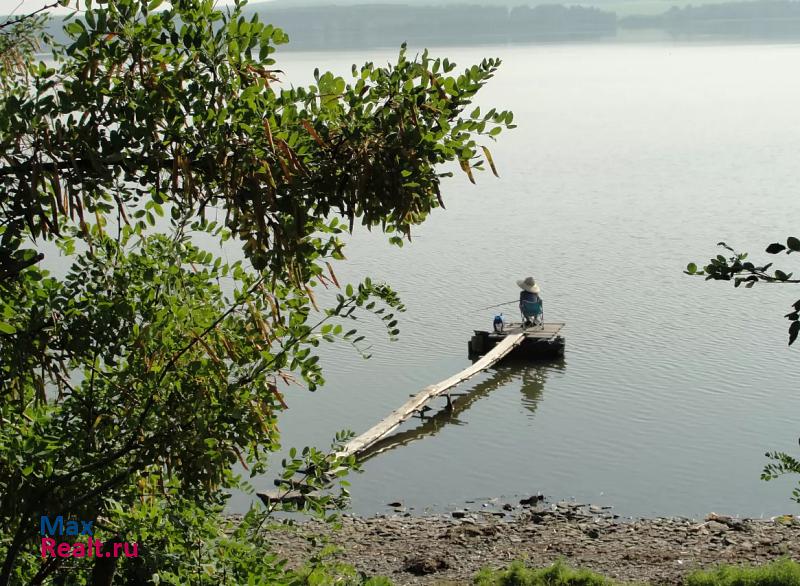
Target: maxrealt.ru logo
(90, 548)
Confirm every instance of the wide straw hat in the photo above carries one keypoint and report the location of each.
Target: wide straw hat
(529, 285)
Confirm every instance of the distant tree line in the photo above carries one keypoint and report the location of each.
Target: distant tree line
(388, 25)
(756, 18)
(374, 25)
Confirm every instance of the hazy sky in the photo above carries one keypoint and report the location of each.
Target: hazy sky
(23, 6)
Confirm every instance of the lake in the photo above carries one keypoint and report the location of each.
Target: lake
(630, 160)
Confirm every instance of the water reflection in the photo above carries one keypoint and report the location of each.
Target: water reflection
(533, 379)
(532, 376)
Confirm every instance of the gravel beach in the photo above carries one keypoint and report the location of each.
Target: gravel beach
(450, 548)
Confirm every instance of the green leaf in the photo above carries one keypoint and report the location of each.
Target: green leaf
(793, 243)
(6, 328)
(74, 28)
(775, 248)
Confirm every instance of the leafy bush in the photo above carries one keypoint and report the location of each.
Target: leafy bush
(558, 574)
(781, 573)
(335, 574)
(133, 387)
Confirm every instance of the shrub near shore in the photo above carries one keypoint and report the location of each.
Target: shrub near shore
(783, 572)
(558, 574)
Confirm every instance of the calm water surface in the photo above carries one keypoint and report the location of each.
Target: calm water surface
(629, 162)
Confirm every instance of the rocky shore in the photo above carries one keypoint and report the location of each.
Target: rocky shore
(450, 548)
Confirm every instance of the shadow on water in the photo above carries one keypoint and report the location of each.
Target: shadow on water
(533, 378)
(532, 375)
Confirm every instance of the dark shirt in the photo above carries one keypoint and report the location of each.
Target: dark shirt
(528, 296)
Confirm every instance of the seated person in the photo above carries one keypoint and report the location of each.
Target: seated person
(530, 302)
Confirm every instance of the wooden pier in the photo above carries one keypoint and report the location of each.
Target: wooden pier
(363, 442)
(359, 444)
(433, 421)
(486, 348)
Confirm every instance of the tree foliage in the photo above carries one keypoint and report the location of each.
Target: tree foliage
(781, 464)
(738, 269)
(19, 38)
(741, 271)
(132, 386)
(185, 105)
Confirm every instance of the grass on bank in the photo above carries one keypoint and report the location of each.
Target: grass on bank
(783, 572)
(780, 573)
(559, 574)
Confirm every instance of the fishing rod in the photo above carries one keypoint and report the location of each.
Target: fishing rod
(498, 305)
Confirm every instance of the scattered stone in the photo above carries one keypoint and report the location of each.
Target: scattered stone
(715, 527)
(532, 500)
(539, 517)
(394, 504)
(472, 530)
(592, 532)
(731, 522)
(425, 565)
(449, 548)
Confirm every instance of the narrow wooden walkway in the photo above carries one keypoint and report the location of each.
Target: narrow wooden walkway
(363, 442)
(359, 444)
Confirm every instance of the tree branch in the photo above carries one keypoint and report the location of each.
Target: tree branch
(24, 17)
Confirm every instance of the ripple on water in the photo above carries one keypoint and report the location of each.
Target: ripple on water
(672, 388)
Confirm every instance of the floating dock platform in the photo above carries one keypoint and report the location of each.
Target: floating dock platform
(540, 341)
